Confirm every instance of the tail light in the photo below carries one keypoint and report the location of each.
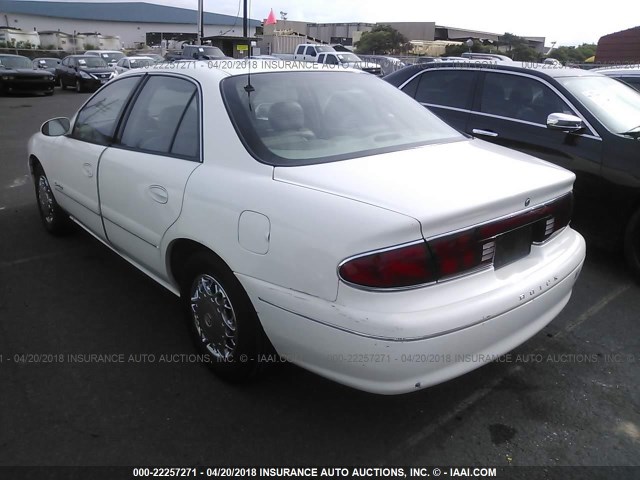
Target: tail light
(454, 254)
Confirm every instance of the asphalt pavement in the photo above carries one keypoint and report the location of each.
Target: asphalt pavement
(567, 397)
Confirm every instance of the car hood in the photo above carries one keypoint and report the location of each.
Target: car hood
(445, 187)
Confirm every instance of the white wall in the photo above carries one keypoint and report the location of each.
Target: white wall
(130, 33)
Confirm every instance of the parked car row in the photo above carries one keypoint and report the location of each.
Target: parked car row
(85, 72)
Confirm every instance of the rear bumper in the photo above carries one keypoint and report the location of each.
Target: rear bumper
(391, 349)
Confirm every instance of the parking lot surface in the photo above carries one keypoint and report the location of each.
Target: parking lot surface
(97, 368)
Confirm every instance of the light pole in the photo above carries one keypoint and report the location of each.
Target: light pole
(200, 33)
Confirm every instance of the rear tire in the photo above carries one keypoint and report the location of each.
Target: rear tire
(55, 219)
(223, 322)
(632, 245)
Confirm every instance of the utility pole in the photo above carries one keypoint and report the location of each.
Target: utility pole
(200, 21)
(245, 28)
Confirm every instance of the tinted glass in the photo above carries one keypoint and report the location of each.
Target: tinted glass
(331, 60)
(450, 88)
(158, 110)
(411, 88)
(615, 104)
(519, 97)
(299, 118)
(97, 121)
(633, 81)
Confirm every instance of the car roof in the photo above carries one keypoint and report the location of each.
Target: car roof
(537, 69)
(12, 55)
(626, 70)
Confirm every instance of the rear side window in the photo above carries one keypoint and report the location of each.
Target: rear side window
(97, 121)
(521, 98)
(448, 88)
(300, 50)
(164, 118)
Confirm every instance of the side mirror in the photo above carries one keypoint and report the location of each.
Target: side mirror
(564, 122)
(56, 127)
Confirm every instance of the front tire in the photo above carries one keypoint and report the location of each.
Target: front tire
(54, 218)
(79, 88)
(223, 322)
(632, 245)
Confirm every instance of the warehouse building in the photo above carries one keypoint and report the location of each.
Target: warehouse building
(135, 23)
(350, 33)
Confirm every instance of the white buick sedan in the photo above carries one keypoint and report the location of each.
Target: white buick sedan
(319, 212)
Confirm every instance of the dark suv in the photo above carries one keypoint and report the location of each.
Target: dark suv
(577, 119)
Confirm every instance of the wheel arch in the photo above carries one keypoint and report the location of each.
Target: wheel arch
(179, 250)
(34, 163)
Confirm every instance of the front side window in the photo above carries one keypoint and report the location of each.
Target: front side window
(449, 88)
(521, 98)
(302, 118)
(331, 60)
(164, 104)
(97, 121)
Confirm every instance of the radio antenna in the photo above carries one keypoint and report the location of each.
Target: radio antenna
(248, 87)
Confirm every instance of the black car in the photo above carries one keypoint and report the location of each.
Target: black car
(17, 75)
(48, 64)
(577, 119)
(84, 72)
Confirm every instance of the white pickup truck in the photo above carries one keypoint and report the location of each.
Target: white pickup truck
(350, 60)
(308, 52)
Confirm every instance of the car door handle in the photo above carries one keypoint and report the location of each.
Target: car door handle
(159, 194)
(486, 133)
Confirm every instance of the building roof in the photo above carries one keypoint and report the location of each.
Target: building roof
(136, 12)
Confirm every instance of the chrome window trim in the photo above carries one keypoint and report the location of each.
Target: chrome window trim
(555, 90)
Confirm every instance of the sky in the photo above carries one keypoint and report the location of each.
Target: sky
(567, 23)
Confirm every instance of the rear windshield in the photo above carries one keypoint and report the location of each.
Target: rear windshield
(303, 118)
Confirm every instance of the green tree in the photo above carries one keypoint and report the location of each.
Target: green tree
(573, 54)
(381, 39)
(457, 50)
